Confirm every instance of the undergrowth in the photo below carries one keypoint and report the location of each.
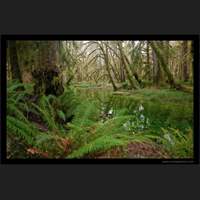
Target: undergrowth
(69, 127)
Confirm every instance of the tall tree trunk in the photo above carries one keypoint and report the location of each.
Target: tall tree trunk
(185, 69)
(156, 69)
(105, 54)
(134, 73)
(47, 74)
(15, 70)
(122, 74)
(164, 66)
(166, 44)
(126, 67)
(148, 61)
(115, 73)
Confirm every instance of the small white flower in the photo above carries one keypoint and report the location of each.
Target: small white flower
(141, 108)
(142, 117)
(125, 125)
(110, 112)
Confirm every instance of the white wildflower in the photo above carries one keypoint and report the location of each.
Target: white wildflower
(110, 112)
(142, 117)
(141, 108)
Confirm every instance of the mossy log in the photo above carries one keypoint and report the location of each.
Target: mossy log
(123, 93)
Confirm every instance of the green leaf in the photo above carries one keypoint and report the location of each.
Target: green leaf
(61, 115)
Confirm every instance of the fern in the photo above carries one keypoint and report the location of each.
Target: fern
(90, 135)
(177, 143)
(102, 143)
(45, 109)
(13, 110)
(86, 132)
(61, 115)
(24, 130)
(67, 102)
(86, 113)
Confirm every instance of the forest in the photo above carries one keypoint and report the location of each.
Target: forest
(97, 99)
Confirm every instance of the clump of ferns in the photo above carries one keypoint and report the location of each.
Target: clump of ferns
(17, 123)
(90, 135)
(20, 130)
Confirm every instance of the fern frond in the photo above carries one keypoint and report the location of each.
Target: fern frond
(22, 129)
(46, 116)
(102, 143)
(86, 114)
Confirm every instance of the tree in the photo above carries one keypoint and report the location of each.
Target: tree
(126, 67)
(148, 59)
(156, 69)
(159, 55)
(104, 50)
(15, 70)
(185, 67)
(47, 75)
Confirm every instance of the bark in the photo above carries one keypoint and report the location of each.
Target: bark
(47, 75)
(105, 54)
(156, 69)
(185, 61)
(127, 70)
(167, 52)
(122, 74)
(148, 59)
(114, 70)
(15, 70)
(134, 73)
(164, 66)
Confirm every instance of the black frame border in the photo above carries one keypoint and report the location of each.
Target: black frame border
(194, 38)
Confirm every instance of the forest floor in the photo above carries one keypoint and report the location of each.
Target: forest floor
(136, 150)
(163, 113)
(166, 107)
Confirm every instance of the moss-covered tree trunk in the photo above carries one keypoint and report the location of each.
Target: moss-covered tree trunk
(107, 65)
(164, 65)
(148, 60)
(15, 70)
(47, 75)
(156, 69)
(185, 68)
(126, 67)
(122, 74)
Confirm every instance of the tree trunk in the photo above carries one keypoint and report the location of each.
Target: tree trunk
(126, 67)
(148, 60)
(164, 66)
(15, 70)
(166, 44)
(134, 73)
(122, 75)
(47, 74)
(185, 61)
(105, 54)
(156, 69)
